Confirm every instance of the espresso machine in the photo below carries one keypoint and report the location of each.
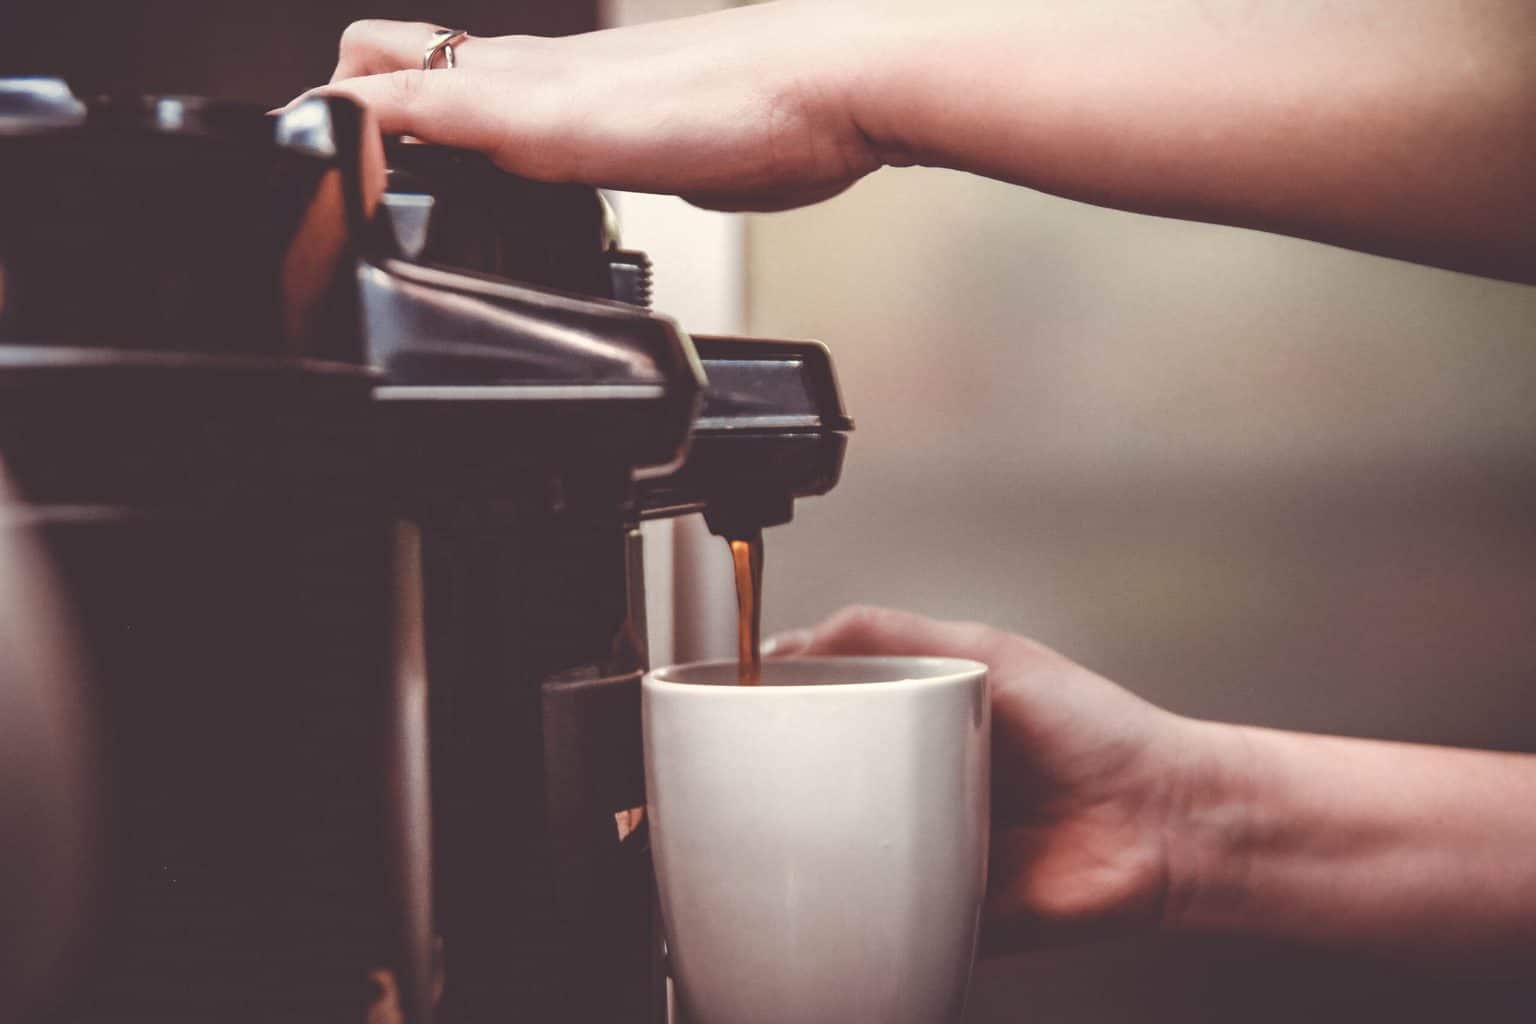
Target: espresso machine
(324, 464)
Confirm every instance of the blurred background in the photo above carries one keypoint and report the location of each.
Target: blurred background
(1250, 478)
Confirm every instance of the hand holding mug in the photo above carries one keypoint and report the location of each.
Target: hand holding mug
(1089, 780)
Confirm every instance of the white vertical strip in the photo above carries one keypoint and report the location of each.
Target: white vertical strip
(699, 258)
(656, 545)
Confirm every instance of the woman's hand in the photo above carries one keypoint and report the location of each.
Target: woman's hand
(1110, 813)
(744, 109)
(1402, 127)
(1090, 783)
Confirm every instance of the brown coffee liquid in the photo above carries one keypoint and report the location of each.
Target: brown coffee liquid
(747, 556)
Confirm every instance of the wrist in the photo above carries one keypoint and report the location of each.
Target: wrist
(1211, 827)
(884, 58)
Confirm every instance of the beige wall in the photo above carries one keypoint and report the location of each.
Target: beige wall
(1251, 478)
(1113, 431)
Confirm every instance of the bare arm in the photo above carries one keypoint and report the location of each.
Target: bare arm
(1110, 815)
(1403, 127)
(1394, 848)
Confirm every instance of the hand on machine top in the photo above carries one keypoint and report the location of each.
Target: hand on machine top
(1401, 127)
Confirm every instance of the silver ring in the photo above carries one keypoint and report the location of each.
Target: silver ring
(442, 43)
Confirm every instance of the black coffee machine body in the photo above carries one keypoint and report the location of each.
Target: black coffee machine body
(187, 422)
(337, 467)
(522, 448)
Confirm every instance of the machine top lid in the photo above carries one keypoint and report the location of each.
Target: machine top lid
(36, 105)
(134, 226)
(32, 104)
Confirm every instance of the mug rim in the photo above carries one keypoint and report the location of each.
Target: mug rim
(943, 671)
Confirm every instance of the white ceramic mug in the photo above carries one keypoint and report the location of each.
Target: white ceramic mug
(820, 840)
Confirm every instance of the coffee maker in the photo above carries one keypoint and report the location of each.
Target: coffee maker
(335, 453)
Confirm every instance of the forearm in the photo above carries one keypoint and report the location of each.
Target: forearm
(1406, 127)
(1376, 847)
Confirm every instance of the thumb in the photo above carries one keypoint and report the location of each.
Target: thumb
(868, 630)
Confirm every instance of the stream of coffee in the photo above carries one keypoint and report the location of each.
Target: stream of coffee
(747, 556)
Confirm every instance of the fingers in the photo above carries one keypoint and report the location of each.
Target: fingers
(715, 108)
(533, 122)
(786, 644)
(376, 46)
(447, 108)
(867, 630)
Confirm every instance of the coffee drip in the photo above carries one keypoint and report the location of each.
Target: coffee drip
(747, 557)
(771, 430)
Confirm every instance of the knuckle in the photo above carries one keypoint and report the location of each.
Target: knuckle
(860, 621)
(360, 34)
(985, 642)
(977, 635)
(405, 87)
(806, 140)
(786, 136)
(1024, 649)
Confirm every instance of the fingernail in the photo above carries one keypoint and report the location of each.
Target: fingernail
(300, 98)
(789, 642)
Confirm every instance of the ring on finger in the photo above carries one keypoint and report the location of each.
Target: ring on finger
(442, 42)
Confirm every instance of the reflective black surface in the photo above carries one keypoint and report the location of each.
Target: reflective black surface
(772, 429)
(180, 225)
(313, 447)
(263, 54)
(190, 431)
(45, 760)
